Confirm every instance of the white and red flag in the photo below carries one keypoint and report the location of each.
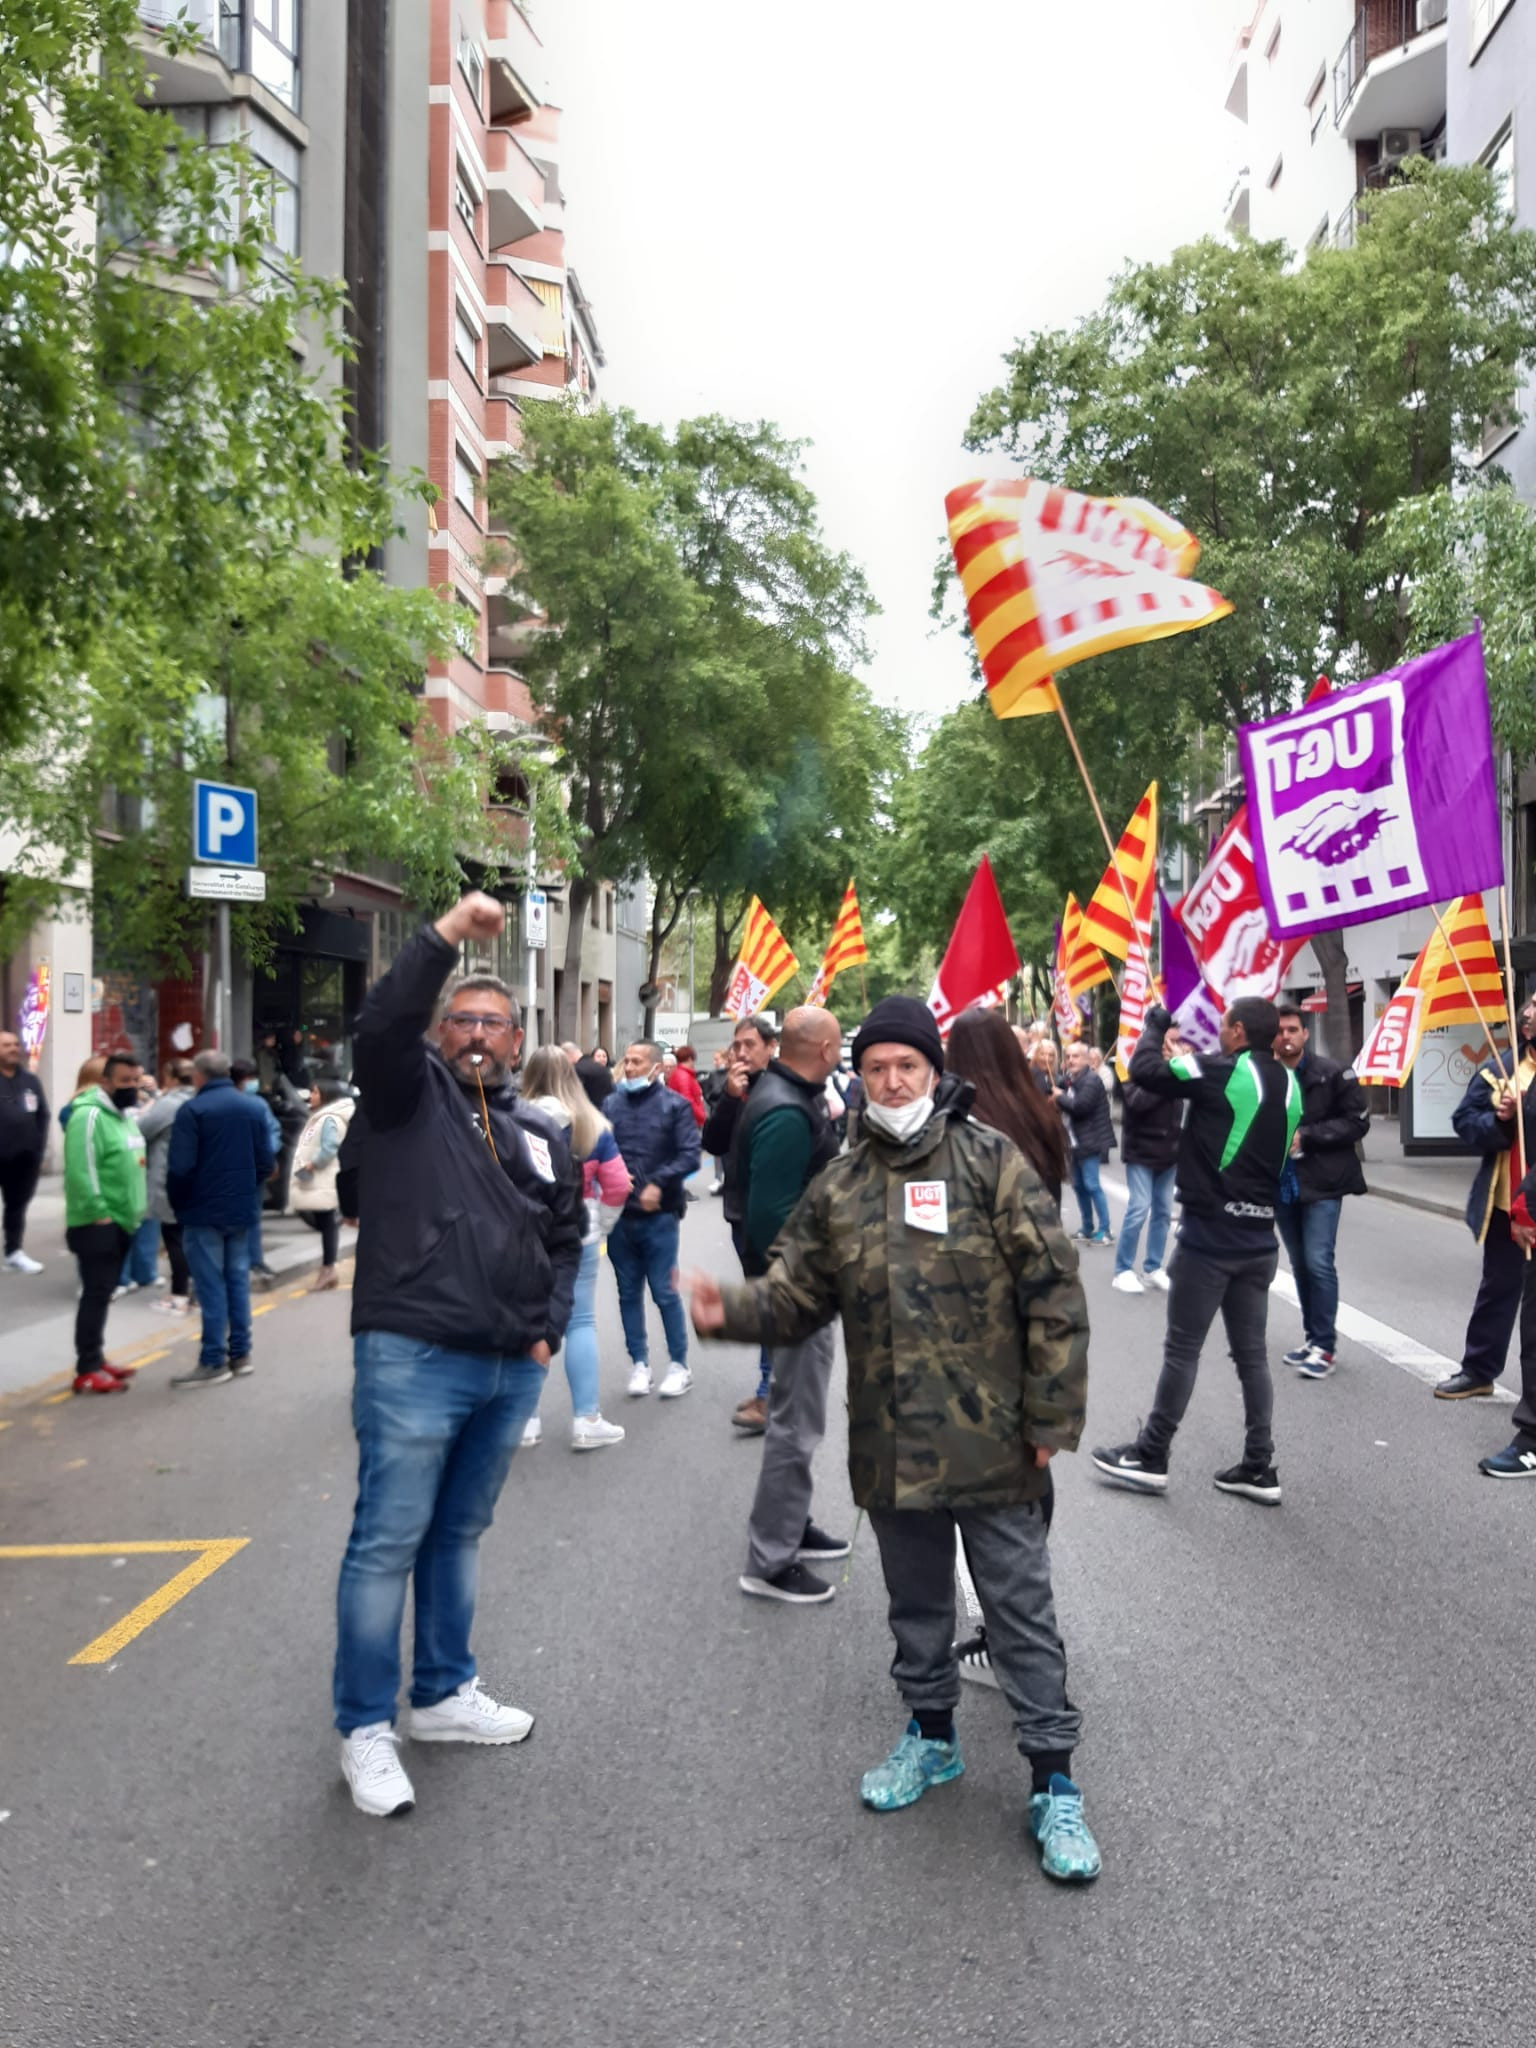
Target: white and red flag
(981, 957)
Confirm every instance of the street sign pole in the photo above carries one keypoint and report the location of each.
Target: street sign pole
(225, 869)
(531, 1020)
(226, 991)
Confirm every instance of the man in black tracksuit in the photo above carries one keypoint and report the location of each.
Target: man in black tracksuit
(470, 1226)
(1323, 1168)
(784, 1137)
(1244, 1108)
(753, 1046)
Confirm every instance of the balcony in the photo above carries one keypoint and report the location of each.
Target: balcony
(516, 58)
(192, 77)
(514, 190)
(1391, 71)
(514, 316)
(512, 630)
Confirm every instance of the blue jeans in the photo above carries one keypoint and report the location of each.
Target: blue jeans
(643, 1250)
(220, 1265)
(1151, 1194)
(1309, 1231)
(436, 1430)
(581, 1334)
(143, 1255)
(253, 1244)
(1085, 1185)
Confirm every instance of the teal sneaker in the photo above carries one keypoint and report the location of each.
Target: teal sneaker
(1067, 1849)
(912, 1766)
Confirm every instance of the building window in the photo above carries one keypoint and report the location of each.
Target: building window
(472, 64)
(466, 627)
(465, 206)
(1320, 235)
(1272, 47)
(282, 210)
(608, 910)
(275, 48)
(1317, 101)
(1274, 177)
(1499, 158)
(466, 479)
(466, 340)
(1483, 17)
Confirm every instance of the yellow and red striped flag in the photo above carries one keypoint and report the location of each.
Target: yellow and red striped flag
(1105, 920)
(845, 948)
(1052, 577)
(764, 965)
(1082, 964)
(1431, 995)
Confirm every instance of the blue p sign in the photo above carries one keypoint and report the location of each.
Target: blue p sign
(223, 825)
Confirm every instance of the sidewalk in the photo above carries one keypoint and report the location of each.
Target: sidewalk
(37, 1311)
(1437, 1184)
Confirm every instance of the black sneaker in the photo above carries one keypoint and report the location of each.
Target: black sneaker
(1253, 1482)
(264, 1274)
(202, 1376)
(794, 1584)
(975, 1661)
(1129, 1465)
(241, 1368)
(817, 1547)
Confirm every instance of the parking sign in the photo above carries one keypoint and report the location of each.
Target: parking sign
(223, 825)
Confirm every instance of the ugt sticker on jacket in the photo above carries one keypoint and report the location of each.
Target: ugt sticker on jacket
(928, 1205)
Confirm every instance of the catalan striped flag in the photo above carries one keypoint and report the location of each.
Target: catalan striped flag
(764, 965)
(1052, 577)
(1105, 921)
(845, 948)
(1431, 995)
(1082, 962)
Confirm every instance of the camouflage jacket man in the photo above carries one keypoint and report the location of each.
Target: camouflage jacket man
(963, 1316)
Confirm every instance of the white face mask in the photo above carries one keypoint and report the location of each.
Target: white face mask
(902, 1122)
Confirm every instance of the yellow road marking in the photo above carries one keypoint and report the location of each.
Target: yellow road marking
(211, 1553)
(149, 1358)
(4, 1425)
(53, 1400)
(265, 1309)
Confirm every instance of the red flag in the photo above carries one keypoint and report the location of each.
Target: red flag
(981, 954)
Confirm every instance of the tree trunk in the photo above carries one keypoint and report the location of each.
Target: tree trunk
(568, 1024)
(1338, 1038)
(725, 960)
(660, 933)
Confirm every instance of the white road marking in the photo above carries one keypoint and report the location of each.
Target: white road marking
(1395, 1346)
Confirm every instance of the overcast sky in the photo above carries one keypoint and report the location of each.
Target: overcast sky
(838, 214)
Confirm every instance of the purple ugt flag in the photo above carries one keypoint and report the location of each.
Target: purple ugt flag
(1190, 1003)
(1378, 798)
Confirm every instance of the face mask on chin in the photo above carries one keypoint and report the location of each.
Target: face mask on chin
(636, 1084)
(902, 1122)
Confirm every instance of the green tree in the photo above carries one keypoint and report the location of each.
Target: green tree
(190, 567)
(1282, 413)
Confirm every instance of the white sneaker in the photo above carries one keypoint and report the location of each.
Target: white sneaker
(639, 1380)
(591, 1433)
(126, 1287)
(19, 1262)
(1127, 1283)
(174, 1305)
(533, 1433)
(370, 1763)
(469, 1715)
(678, 1380)
(1158, 1278)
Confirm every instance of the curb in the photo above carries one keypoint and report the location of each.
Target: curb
(1421, 1202)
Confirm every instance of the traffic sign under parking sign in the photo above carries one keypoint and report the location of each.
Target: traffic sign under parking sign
(223, 825)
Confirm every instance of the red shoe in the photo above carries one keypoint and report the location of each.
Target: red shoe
(100, 1382)
(118, 1372)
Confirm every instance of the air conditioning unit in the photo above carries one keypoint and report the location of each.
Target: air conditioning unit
(1397, 143)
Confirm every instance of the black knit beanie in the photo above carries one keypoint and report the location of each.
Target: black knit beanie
(901, 1020)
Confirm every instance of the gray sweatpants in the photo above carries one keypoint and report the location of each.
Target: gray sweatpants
(797, 1422)
(1200, 1284)
(1010, 1563)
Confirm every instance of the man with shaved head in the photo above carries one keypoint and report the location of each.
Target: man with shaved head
(784, 1139)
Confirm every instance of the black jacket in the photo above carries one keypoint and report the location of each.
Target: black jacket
(455, 1248)
(1149, 1128)
(1084, 1104)
(718, 1138)
(779, 1091)
(1243, 1113)
(658, 1141)
(23, 1115)
(1334, 1119)
(1478, 1126)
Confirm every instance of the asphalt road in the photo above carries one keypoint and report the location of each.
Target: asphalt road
(1304, 1749)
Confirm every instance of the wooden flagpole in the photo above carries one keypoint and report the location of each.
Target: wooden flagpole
(1093, 798)
(1472, 997)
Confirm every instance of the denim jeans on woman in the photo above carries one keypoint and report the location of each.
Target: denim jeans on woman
(580, 1353)
(143, 1257)
(1090, 1196)
(1151, 1194)
(436, 1430)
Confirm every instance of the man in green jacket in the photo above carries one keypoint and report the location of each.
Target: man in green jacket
(104, 1200)
(967, 1339)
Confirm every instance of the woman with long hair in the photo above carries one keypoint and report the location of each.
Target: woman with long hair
(550, 1083)
(312, 1186)
(983, 1050)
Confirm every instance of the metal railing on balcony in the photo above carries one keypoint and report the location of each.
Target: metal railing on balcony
(1380, 26)
(216, 21)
